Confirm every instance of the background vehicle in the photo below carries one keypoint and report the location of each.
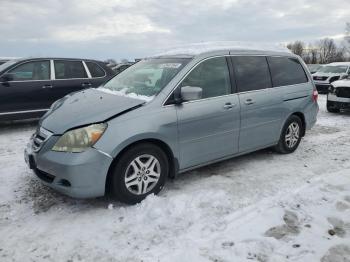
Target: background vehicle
(313, 68)
(121, 67)
(28, 87)
(339, 96)
(3, 60)
(170, 114)
(330, 73)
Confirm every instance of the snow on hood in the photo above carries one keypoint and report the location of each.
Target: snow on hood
(84, 108)
(343, 83)
(328, 74)
(198, 48)
(123, 93)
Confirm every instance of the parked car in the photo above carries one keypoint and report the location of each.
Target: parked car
(339, 95)
(28, 87)
(330, 73)
(313, 68)
(3, 60)
(121, 67)
(127, 137)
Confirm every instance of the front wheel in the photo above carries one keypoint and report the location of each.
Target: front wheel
(291, 135)
(140, 171)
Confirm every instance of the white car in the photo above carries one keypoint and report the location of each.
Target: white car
(339, 95)
(329, 73)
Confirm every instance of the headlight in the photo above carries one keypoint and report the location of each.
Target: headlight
(78, 140)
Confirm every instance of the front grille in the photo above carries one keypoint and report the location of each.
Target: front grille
(320, 78)
(39, 138)
(342, 92)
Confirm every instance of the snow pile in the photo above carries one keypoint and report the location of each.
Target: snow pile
(198, 48)
(259, 207)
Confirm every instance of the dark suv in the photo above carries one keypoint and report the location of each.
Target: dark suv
(28, 87)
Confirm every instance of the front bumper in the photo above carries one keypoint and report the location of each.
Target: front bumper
(338, 102)
(79, 175)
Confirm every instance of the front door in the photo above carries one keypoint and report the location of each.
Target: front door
(208, 128)
(28, 91)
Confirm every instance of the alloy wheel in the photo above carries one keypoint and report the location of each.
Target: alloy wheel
(142, 174)
(292, 134)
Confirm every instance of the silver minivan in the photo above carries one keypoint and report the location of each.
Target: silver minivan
(172, 113)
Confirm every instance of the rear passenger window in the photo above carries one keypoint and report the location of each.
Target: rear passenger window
(212, 76)
(286, 71)
(69, 69)
(95, 69)
(252, 73)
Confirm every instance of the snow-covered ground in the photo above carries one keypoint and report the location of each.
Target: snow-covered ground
(258, 207)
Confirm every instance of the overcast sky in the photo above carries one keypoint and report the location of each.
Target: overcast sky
(126, 29)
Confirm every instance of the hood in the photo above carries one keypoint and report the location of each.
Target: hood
(342, 83)
(85, 107)
(327, 74)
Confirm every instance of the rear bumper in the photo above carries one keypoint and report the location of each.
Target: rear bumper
(79, 175)
(311, 116)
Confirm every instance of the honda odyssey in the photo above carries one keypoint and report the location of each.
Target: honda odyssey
(172, 113)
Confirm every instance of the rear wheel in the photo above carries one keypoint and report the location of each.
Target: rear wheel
(140, 171)
(332, 108)
(291, 135)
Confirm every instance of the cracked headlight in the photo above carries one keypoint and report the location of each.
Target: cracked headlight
(78, 140)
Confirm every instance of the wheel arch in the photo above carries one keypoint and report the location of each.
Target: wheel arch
(173, 161)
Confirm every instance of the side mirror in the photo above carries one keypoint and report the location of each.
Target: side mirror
(6, 77)
(189, 93)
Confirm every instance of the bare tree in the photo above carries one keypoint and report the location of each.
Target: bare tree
(347, 34)
(313, 55)
(110, 62)
(347, 41)
(297, 48)
(323, 52)
(328, 50)
(340, 54)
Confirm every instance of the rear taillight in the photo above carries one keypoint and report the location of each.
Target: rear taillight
(314, 96)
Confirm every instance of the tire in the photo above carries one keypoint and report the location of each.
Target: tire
(132, 181)
(294, 129)
(331, 108)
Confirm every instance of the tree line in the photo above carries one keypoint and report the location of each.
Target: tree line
(324, 51)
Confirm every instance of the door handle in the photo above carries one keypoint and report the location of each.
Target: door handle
(46, 86)
(249, 101)
(228, 105)
(85, 84)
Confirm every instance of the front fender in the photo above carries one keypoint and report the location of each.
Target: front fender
(135, 126)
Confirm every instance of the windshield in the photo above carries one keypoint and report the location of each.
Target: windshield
(7, 64)
(314, 67)
(145, 79)
(333, 69)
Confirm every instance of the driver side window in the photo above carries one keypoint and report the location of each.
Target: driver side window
(212, 76)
